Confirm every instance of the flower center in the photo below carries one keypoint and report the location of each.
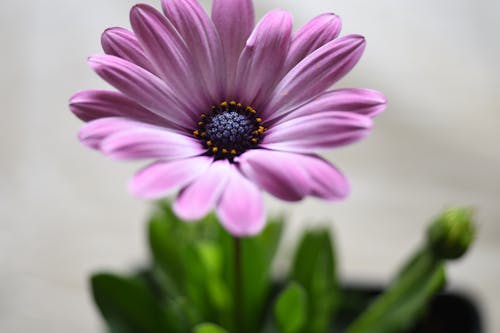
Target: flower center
(229, 129)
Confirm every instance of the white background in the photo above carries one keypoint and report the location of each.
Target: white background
(64, 210)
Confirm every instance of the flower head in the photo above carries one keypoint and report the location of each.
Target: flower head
(225, 109)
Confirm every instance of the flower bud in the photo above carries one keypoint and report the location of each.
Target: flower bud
(451, 234)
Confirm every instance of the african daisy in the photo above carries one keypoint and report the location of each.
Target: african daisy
(226, 110)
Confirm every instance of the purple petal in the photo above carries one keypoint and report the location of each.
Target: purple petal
(290, 176)
(162, 178)
(326, 181)
(145, 88)
(241, 208)
(93, 133)
(198, 198)
(122, 43)
(234, 20)
(351, 100)
(314, 74)
(276, 172)
(94, 104)
(317, 131)
(145, 143)
(263, 57)
(202, 38)
(169, 54)
(314, 34)
(123, 138)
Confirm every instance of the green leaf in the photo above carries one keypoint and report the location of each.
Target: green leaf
(257, 255)
(182, 262)
(208, 328)
(405, 299)
(217, 292)
(270, 238)
(127, 305)
(167, 249)
(314, 269)
(290, 310)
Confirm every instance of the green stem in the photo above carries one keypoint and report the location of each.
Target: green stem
(423, 265)
(238, 286)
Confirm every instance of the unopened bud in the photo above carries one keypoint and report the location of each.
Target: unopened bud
(451, 234)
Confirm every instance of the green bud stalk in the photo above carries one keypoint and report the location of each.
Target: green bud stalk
(448, 237)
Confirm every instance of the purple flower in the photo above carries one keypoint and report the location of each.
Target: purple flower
(225, 109)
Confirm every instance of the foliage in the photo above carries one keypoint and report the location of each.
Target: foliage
(189, 285)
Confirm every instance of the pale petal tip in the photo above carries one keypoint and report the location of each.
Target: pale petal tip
(134, 189)
(238, 230)
(185, 215)
(95, 61)
(342, 189)
(138, 189)
(75, 99)
(139, 7)
(110, 148)
(383, 99)
(361, 38)
(87, 140)
(380, 103)
(108, 33)
(345, 190)
(140, 10)
(331, 17)
(335, 21)
(360, 41)
(355, 41)
(282, 16)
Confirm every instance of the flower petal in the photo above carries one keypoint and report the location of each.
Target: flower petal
(162, 178)
(291, 176)
(198, 198)
(317, 131)
(169, 54)
(234, 20)
(143, 87)
(202, 38)
(326, 181)
(314, 74)
(241, 208)
(122, 43)
(314, 34)
(92, 134)
(94, 104)
(124, 138)
(261, 61)
(365, 102)
(145, 142)
(276, 172)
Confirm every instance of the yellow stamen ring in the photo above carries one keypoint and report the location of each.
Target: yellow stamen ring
(229, 129)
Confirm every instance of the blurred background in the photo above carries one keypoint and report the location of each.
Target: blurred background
(65, 211)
